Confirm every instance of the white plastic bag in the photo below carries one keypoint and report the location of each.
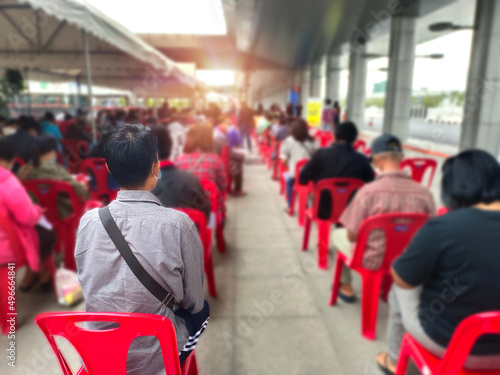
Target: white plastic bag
(69, 290)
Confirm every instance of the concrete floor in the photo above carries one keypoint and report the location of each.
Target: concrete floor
(271, 316)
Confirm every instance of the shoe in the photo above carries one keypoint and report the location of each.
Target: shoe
(346, 298)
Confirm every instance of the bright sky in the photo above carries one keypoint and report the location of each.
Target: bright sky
(166, 16)
(447, 74)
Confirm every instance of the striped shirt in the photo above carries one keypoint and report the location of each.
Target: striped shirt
(390, 193)
(206, 167)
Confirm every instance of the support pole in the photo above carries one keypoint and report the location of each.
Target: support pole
(89, 84)
(26, 78)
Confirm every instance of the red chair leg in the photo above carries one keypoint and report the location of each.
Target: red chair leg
(69, 249)
(404, 357)
(386, 287)
(293, 201)
(371, 292)
(307, 232)
(323, 243)
(339, 263)
(302, 206)
(209, 272)
(221, 243)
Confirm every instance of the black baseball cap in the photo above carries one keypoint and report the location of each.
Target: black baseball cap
(386, 143)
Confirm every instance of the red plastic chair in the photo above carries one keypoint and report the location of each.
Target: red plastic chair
(105, 352)
(225, 156)
(46, 193)
(399, 229)
(341, 190)
(96, 167)
(6, 309)
(360, 146)
(200, 220)
(211, 190)
(442, 211)
(302, 191)
(324, 138)
(74, 151)
(18, 162)
(418, 167)
(458, 350)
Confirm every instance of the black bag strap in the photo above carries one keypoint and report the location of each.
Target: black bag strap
(166, 298)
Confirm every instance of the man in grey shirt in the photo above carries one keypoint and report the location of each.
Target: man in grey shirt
(165, 242)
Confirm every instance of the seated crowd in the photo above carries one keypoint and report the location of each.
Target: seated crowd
(447, 273)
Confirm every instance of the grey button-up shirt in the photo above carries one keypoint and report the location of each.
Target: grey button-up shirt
(166, 243)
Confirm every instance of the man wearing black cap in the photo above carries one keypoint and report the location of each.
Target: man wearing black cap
(340, 160)
(392, 192)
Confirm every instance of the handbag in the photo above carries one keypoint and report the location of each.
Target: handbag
(166, 298)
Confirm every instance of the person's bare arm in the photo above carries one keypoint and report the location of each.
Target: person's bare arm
(351, 236)
(399, 281)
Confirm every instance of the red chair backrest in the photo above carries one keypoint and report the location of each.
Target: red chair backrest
(340, 189)
(19, 162)
(418, 167)
(298, 167)
(105, 352)
(97, 168)
(200, 220)
(75, 150)
(442, 211)
(398, 228)
(211, 191)
(46, 193)
(466, 334)
(324, 138)
(360, 145)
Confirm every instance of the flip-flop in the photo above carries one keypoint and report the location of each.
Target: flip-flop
(385, 367)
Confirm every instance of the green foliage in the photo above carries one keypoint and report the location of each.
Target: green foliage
(458, 98)
(432, 101)
(11, 84)
(375, 102)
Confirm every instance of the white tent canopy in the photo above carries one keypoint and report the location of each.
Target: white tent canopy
(45, 37)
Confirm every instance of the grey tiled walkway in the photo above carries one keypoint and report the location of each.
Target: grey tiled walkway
(271, 316)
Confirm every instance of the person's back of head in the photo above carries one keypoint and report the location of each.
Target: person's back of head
(199, 138)
(131, 154)
(386, 153)
(346, 132)
(299, 130)
(470, 178)
(7, 153)
(328, 101)
(45, 148)
(49, 116)
(29, 125)
(336, 104)
(164, 141)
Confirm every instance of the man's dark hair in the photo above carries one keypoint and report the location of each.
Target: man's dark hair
(130, 153)
(347, 132)
(7, 150)
(12, 121)
(49, 116)
(45, 143)
(328, 101)
(471, 177)
(164, 141)
(300, 130)
(2, 119)
(29, 123)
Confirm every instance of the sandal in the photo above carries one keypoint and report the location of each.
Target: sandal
(385, 366)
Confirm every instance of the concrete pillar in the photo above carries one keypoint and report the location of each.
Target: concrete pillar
(357, 86)
(480, 127)
(400, 76)
(333, 77)
(315, 80)
(305, 87)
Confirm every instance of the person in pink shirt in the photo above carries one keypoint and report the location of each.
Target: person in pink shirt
(17, 207)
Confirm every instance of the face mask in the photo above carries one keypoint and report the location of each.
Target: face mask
(8, 131)
(53, 161)
(159, 175)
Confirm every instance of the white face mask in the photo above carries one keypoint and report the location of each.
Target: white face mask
(8, 130)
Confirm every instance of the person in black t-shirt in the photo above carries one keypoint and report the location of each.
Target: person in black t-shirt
(451, 268)
(340, 160)
(177, 188)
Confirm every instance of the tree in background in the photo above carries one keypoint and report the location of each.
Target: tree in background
(11, 84)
